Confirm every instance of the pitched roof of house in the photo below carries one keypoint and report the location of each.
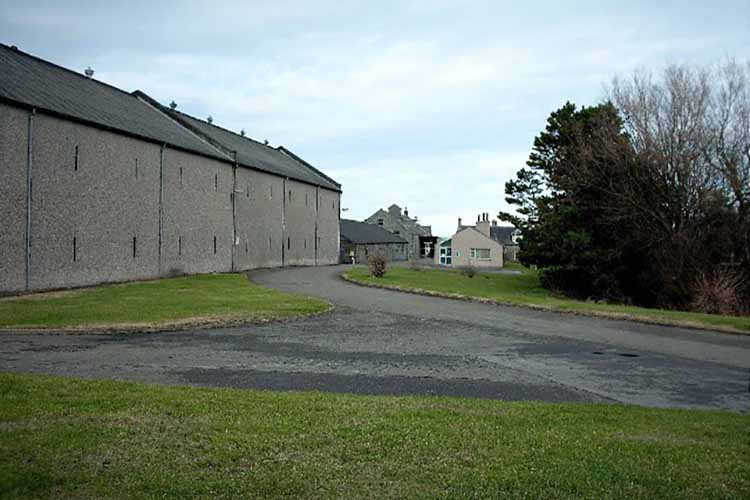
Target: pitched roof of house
(503, 234)
(36, 83)
(362, 232)
(32, 82)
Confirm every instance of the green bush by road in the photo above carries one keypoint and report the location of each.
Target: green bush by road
(524, 289)
(68, 438)
(204, 298)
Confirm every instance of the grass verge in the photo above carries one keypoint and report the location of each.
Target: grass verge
(169, 303)
(70, 438)
(524, 290)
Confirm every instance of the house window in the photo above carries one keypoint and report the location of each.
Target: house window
(180, 176)
(305, 243)
(480, 253)
(75, 249)
(380, 222)
(396, 232)
(290, 196)
(214, 244)
(179, 245)
(135, 247)
(216, 182)
(75, 160)
(288, 243)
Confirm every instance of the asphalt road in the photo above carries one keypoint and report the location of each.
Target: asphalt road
(384, 342)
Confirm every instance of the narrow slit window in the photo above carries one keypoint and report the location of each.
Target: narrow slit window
(247, 190)
(214, 244)
(75, 249)
(136, 168)
(75, 160)
(288, 243)
(247, 247)
(270, 192)
(290, 196)
(305, 243)
(180, 176)
(179, 245)
(135, 247)
(216, 182)
(269, 243)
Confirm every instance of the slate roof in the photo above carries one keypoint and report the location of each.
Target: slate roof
(502, 234)
(364, 233)
(33, 82)
(254, 154)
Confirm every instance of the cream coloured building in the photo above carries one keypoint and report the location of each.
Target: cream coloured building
(471, 246)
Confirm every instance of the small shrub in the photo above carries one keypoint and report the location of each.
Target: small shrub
(376, 264)
(719, 292)
(469, 271)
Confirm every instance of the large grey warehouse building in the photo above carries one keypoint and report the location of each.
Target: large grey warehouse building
(100, 185)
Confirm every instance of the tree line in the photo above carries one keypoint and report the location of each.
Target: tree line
(645, 197)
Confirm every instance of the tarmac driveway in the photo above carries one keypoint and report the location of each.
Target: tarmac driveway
(384, 342)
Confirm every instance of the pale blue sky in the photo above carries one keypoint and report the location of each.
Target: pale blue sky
(429, 104)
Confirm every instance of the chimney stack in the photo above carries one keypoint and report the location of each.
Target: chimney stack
(483, 224)
(459, 223)
(89, 72)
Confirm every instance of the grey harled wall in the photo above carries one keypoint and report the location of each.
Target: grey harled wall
(328, 226)
(196, 209)
(100, 203)
(13, 155)
(84, 218)
(259, 219)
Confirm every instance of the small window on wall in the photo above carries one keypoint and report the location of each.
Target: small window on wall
(288, 243)
(247, 190)
(216, 182)
(290, 196)
(380, 222)
(181, 176)
(75, 159)
(136, 168)
(135, 247)
(75, 249)
(214, 244)
(269, 243)
(179, 245)
(270, 192)
(305, 243)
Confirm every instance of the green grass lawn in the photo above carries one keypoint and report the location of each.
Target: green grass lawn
(524, 289)
(167, 301)
(69, 438)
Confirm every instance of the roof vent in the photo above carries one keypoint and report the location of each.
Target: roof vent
(173, 105)
(89, 72)
(265, 142)
(210, 119)
(14, 47)
(242, 132)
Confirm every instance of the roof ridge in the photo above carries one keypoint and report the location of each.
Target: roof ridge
(13, 48)
(221, 128)
(285, 150)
